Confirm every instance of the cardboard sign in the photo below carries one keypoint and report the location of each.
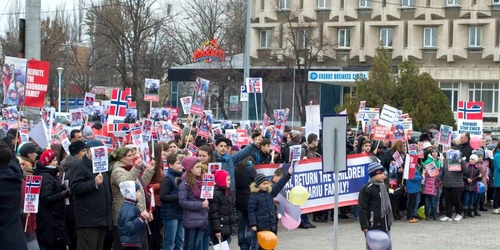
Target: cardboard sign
(445, 135)
(32, 193)
(254, 85)
(208, 186)
(200, 96)
(413, 149)
(388, 116)
(214, 167)
(99, 159)
(76, 117)
(151, 90)
(397, 158)
(88, 103)
(410, 166)
(295, 153)
(186, 104)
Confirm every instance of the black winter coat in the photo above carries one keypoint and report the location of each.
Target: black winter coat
(222, 213)
(244, 176)
(11, 230)
(169, 196)
(261, 205)
(369, 205)
(92, 204)
(51, 230)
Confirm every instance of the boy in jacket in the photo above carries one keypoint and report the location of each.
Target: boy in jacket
(375, 211)
(261, 214)
(131, 222)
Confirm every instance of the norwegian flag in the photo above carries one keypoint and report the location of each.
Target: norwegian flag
(208, 180)
(99, 153)
(119, 127)
(128, 94)
(118, 106)
(33, 184)
(470, 110)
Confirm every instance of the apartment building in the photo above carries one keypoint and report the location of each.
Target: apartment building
(455, 41)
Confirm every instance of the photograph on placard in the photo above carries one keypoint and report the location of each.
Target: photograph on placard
(14, 80)
(201, 94)
(88, 103)
(186, 104)
(280, 118)
(96, 113)
(131, 115)
(10, 114)
(152, 90)
(76, 117)
(156, 114)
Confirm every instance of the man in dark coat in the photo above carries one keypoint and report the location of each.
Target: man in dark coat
(244, 175)
(465, 147)
(92, 202)
(11, 230)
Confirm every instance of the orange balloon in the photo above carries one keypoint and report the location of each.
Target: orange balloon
(267, 239)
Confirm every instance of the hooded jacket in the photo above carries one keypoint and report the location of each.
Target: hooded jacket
(473, 174)
(131, 225)
(223, 213)
(92, 203)
(229, 161)
(169, 196)
(118, 175)
(261, 205)
(51, 228)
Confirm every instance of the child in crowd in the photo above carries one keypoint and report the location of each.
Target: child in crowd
(131, 222)
(195, 210)
(375, 211)
(470, 185)
(171, 211)
(413, 189)
(261, 214)
(222, 209)
(431, 187)
(278, 174)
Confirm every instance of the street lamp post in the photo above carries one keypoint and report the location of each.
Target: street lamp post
(59, 71)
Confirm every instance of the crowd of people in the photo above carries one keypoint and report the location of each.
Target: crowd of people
(464, 189)
(80, 209)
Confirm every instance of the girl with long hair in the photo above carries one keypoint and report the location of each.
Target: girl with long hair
(155, 239)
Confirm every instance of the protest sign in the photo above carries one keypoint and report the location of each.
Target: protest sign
(420, 150)
(413, 149)
(388, 116)
(280, 118)
(276, 140)
(192, 149)
(145, 154)
(207, 186)
(205, 125)
(76, 117)
(432, 169)
(397, 158)
(39, 134)
(380, 132)
(32, 193)
(237, 136)
(15, 81)
(186, 104)
(410, 166)
(201, 94)
(254, 85)
(11, 115)
(295, 153)
(217, 131)
(214, 166)
(309, 174)
(454, 161)
(470, 118)
(445, 135)
(99, 159)
(151, 90)
(37, 82)
(173, 113)
(88, 103)
(147, 129)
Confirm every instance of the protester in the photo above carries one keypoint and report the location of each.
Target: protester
(154, 239)
(453, 185)
(496, 181)
(125, 166)
(51, 220)
(470, 185)
(92, 202)
(431, 188)
(171, 211)
(245, 175)
(222, 209)
(195, 209)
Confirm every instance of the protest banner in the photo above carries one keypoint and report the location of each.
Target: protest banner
(37, 83)
(470, 118)
(201, 94)
(186, 104)
(309, 174)
(207, 186)
(151, 90)
(99, 159)
(32, 193)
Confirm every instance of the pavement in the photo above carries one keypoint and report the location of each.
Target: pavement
(479, 233)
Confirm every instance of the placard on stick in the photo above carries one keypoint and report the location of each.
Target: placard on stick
(208, 186)
(32, 193)
(99, 159)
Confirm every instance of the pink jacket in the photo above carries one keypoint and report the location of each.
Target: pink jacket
(483, 169)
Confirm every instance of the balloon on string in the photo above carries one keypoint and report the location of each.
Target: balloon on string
(267, 239)
(298, 195)
(377, 240)
(289, 223)
(481, 188)
(475, 142)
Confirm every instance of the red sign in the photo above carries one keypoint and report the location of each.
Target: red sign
(380, 132)
(37, 80)
(209, 52)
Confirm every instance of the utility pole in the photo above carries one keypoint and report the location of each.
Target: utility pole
(32, 16)
(246, 58)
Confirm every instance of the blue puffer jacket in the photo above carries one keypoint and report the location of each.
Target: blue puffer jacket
(193, 214)
(413, 185)
(261, 205)
(229, 161)
(131, 225)
(169, 196)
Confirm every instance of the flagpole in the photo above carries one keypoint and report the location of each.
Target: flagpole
(152, 141)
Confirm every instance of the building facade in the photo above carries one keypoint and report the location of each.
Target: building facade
(455, 41)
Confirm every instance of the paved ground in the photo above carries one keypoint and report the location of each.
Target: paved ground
(479, 233)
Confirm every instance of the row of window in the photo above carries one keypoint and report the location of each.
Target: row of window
(324, 4)
(386, 36)
(480, 92)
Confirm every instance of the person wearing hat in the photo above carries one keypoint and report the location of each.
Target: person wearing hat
(433, 128)
(12, 135)
(126, 166)
(28, 155)
(486, 132)
(87, 133)
(375, 211)
(195, 215)
(295, 139)
(51, 220)
(222, 217)
(484, 169)
(77, 150)
(91, 202)
(261, 213)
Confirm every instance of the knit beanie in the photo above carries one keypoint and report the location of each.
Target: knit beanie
(473, 157)
(220, 178)
(479, 152)
(94, 143)
(375, 168)
(296, 137)
(188, 162)
(47, 157)
(87, 131)
(259, 179)
(76, 146)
